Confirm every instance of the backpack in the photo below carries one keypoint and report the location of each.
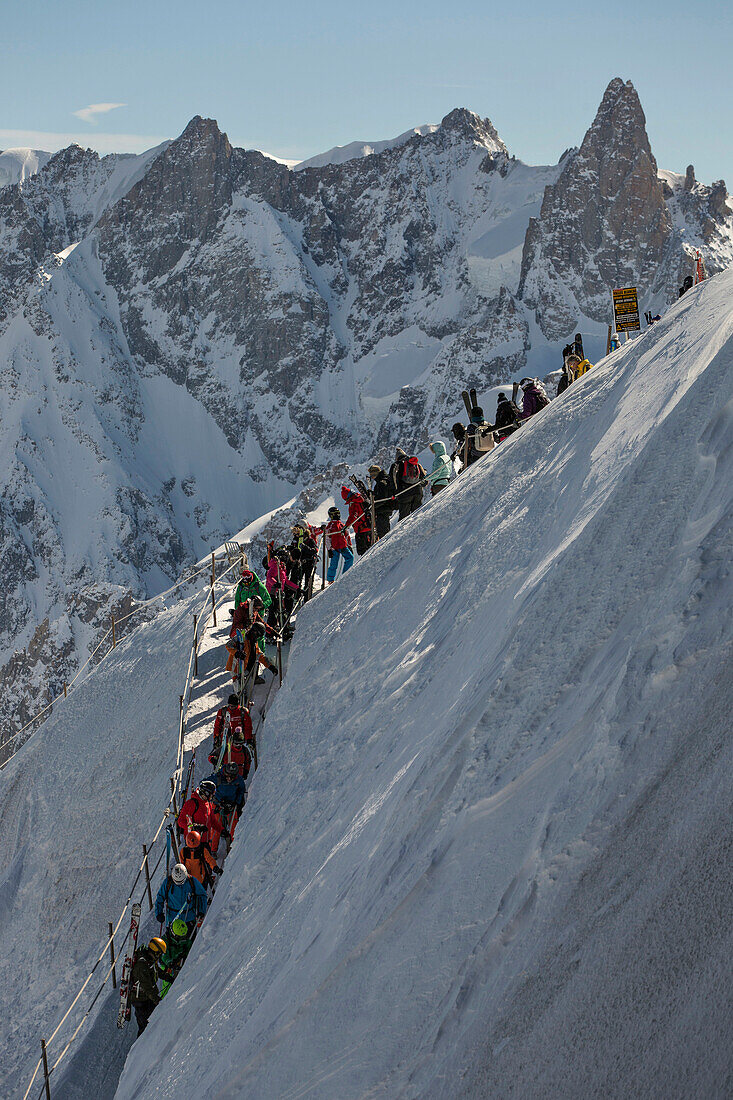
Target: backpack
(411, 471)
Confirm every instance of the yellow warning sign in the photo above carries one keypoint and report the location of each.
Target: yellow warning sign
(626, 309)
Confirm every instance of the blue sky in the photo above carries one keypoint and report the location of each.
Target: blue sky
(297, 78)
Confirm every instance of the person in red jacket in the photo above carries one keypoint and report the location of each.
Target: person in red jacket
(199, 813)
(339, 544)
(359, 518)
(227, 719)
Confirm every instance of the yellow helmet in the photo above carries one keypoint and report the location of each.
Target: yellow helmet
(157, 946)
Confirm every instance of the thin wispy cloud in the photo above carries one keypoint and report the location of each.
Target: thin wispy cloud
(89, 114)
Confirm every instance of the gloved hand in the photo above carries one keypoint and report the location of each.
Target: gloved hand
(218, 870)
(226, 834)
(330, 553)
(273, 671)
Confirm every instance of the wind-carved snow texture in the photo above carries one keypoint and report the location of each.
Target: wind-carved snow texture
(489, 853)
(191, 337)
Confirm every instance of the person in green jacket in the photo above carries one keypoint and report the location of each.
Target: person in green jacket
(250, 585)
(178, 940)
(440, 472)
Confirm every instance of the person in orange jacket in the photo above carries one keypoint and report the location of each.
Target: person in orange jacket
(196, 857)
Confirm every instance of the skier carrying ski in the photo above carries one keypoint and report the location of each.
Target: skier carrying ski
(304, 540)
(251, 585)
(231, 794)
(180, 897)
(339, 544)
(277, 581)
(534, 397)
(407, 475)
(459, 451)
(229, 718)
(196, 857)
(507, 418)
(440, 472)
(578, 366)
(359, 518)
(248, 650)
(179, 939)
(479, 436)
(144, 995)
(383, 491)
(198, 812)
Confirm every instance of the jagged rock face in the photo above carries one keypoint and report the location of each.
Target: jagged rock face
(603, 224)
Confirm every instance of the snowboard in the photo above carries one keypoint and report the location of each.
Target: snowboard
(125, 986)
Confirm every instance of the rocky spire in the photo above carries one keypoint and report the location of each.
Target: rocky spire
(604, 223)
(179, 199)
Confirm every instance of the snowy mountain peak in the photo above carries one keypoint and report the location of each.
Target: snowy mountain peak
(468, 125)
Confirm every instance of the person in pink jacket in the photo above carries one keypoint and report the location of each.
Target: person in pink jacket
(277, 580)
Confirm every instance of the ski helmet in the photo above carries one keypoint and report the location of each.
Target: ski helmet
(157, 946)
(179, 874)
(459, 430)
(375, 470)
(247, 574)
(257, 603)
(333, 513)
(193, 839)
(233, 700)
(230, 769)
(206, 789)
(257, 630)
(179, 929)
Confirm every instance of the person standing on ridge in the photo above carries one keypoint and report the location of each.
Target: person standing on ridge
(358, 518)
(198, 812)
(144, 995)
(507, 418)
(251, 585)
(440, 472)
(196, 857)
(384, 502)
(578, 366)
(179, 939)
(339, 544)
(180, 897)
(479, 436)
(231, 794)
(534, 397)
(407, 475)
(306, 543)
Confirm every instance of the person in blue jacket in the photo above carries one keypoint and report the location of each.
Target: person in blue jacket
(180, 897)
(441, 469)
(231, 791)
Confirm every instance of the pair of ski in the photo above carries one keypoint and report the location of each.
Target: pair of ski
(470, 400)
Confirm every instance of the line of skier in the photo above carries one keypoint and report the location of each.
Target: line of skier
(263, 610)
(207, 820)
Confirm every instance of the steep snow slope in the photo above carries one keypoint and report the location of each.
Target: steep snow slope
(488, 854)
(76, 804)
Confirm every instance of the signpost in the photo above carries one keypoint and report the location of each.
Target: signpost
(626, 309)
